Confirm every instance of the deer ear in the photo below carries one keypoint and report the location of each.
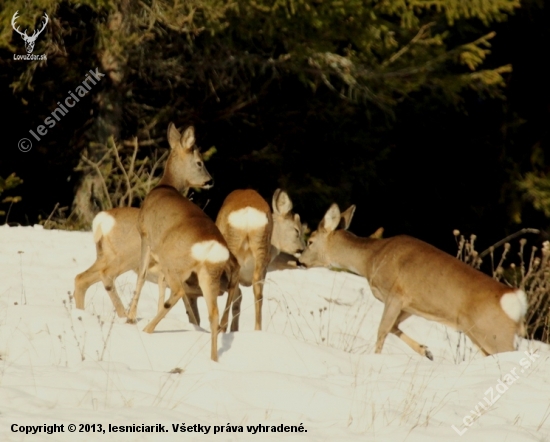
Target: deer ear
(346, 217)
(173, 136)
(331, 219)
(378, 234)
(188, 138)
(281, 202)
(274, 200)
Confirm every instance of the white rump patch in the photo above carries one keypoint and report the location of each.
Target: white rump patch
(102, 224)
(211, 251)
(514, 304)
(247, 218)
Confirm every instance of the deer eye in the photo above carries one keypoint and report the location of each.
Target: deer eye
(199, 163)
(309, 242)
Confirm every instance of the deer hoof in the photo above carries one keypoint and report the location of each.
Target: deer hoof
(428, 353)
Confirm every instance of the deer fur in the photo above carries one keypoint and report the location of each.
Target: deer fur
(412, 277)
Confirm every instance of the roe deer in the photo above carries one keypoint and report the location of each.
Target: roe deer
(117, 239)
(118, 246)
(246, 222)
(183, 240)
(412, 277)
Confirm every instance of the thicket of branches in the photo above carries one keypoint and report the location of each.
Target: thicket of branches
(271, 83)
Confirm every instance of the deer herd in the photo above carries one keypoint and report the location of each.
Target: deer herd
(172, 242)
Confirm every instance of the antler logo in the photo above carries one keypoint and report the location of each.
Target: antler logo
(29, 41)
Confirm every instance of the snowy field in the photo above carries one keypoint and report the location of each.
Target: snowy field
(312, 368)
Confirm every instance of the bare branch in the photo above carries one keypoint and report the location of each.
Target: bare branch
(104, 184)
(508, 238)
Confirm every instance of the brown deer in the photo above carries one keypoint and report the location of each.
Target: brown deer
(116, 236)
(118, 246)
(248, 226)
(183, 240)
(412, 277)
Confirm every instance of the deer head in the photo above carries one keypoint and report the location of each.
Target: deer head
(29, 41)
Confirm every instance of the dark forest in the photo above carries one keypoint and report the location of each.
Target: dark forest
(429, 116)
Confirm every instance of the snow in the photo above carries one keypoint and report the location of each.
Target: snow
(312, 365)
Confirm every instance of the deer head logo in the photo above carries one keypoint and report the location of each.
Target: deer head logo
(29, 41)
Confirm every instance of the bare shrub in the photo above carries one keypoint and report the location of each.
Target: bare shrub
(528, 270)
(121, 178)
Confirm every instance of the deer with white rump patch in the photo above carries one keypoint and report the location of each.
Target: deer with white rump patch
(183, 240)
(118, 243)
(412, 277)
(256, 236)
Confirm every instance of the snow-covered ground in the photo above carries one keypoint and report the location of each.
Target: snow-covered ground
(312, 367)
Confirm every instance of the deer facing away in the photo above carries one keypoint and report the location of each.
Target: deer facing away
(255, 237)
(412, 277)
(183, 240)
(118, 246)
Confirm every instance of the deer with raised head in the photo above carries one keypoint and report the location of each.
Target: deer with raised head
(412, 277)
(255, 237)
(118, 243)
(183, 240)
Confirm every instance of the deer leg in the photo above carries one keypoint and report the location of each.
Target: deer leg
(236, 308)
(108, 279)
(83, 281)
(194, 308)
(419, 348)
(209, 283)
(143, 267)
(261, 261)
(478, 345)
(232, 289)
(392, 309)
(257, 286)
(228, 304)
(162, 291)
(174, 296)
(193, 291)
(177, 292)
(489, 343)
(175, 283)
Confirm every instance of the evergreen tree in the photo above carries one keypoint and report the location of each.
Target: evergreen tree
(241, 71)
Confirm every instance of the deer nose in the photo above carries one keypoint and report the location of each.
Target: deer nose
(208, 184)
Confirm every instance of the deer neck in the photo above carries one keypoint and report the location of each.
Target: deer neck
(351, 252)
(175, 180)
(273, 252)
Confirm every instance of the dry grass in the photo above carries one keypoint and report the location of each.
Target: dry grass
(517, 265)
